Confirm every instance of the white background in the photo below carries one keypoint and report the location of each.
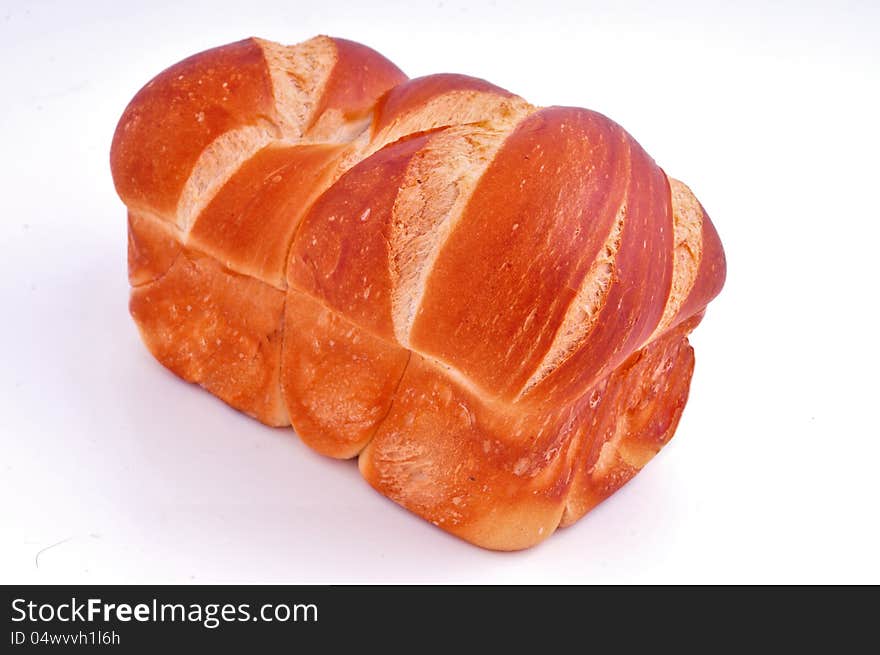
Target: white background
(769, 110)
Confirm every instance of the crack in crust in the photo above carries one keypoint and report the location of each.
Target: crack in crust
(486, 302)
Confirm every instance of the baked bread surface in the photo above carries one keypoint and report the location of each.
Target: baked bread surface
(485, 301)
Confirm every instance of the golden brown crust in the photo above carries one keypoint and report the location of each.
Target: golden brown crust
(359, 78)
(412, 96)
(171, 121)
(338, 379)
(341, 251)
(485, 301)
(521, 248)
(250, 223)
(629, 417)
(153, 245)
(710, 276)
(217, 329)
(476, 468)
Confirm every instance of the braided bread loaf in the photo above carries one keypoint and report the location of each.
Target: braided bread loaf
(486, 302)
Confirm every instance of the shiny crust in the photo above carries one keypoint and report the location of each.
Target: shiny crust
(261, 205)
(218, 329)
(486, 302)
(171, 121)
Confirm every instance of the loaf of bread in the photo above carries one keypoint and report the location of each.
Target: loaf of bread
(486, 302)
